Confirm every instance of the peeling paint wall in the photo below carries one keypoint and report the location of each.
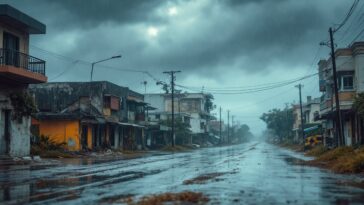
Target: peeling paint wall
(19, 144)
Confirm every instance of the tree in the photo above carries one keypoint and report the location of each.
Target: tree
(209, 105)
(280, 122)
(182, 130)
(358, 104)
(243, 133)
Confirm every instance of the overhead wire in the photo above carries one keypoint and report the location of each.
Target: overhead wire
(251, 90)
(84, 62)
(348, 15)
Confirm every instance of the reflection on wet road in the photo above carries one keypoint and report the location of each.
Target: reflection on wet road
(251, 173)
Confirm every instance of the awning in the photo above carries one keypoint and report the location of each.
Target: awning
(138, 101)
(311, 128)
(130, 124)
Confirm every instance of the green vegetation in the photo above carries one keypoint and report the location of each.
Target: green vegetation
(209, 105)
(45, 147)
(182, 130)
(358, 104)
(23, 104)
(280, 123)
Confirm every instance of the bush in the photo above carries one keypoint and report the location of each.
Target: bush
(45, 147)
(317, 151)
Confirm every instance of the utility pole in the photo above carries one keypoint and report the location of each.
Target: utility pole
(220, 126)
(172, 74)
(299, 86)
(232, 126)
(228, 127)
(338, 120)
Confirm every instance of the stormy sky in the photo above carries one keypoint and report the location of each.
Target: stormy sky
(215, 43)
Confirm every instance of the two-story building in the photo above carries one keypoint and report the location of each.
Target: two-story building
(310, 111)
(350, 78)
(17, 70)
(188, 107)
(90, 115)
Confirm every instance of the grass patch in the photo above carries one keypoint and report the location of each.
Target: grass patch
(316, 151)
(340, 160)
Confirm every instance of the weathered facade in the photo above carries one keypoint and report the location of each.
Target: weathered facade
(90, 115)
(189, 107)
(350, 62)
(310, 111)
(17, 70)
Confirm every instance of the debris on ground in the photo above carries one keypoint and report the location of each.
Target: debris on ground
(316, 151)
(203, 178)
(176, 148)
(341, 160)
(123, 198)
(186, 197)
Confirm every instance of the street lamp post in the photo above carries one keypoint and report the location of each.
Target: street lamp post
(92, 71)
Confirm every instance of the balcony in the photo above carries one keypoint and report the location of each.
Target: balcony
(17, 67)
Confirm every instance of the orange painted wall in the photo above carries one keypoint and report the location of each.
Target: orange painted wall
(62, 131)
(89, 137)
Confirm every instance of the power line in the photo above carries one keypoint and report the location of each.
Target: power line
(348, 15)
(79, 61)
(357, 18)
(249, 90)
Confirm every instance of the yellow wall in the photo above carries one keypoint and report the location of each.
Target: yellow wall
(89, 137)
(67, 131)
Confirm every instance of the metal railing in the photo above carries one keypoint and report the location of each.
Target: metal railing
(22, 60)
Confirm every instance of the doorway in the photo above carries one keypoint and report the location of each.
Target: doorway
(11, 49)
(84, 137)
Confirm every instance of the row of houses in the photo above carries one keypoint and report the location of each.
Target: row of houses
(82, 115)
(322, 111)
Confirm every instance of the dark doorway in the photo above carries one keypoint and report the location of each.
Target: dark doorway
(112, 135)
(7, 131)
(11, 49)
(84, 137)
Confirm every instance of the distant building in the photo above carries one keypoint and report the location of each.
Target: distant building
(17, 70)
(310, 111)
(113, 117)
(350, 78)
(189, 107)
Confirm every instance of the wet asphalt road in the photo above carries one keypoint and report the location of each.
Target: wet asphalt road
(251, 173)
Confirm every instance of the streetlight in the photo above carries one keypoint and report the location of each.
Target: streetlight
(93, 64)
(92, 71)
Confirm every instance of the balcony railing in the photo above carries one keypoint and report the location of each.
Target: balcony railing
(22, 60)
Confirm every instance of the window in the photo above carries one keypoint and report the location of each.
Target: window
(347, 82)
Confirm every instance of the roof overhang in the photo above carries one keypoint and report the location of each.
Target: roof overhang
(21, 20)
(130, 124)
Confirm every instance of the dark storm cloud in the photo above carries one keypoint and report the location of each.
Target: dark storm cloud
(246, 34)
(92, 13)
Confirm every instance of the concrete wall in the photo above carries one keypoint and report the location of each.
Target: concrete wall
(359, 72)
(19, 130)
